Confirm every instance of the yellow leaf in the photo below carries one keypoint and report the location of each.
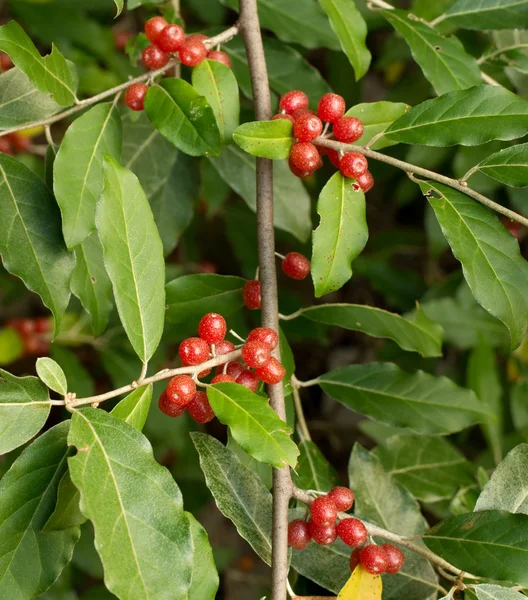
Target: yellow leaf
(362, 586)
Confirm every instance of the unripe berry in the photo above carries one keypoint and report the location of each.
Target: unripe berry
(234, 368)
(249, 380)
(352, 532)
(283, 116)
(299, 534)
(181, 390)
(348, 129)
(324, 535)
(154, 28)
(194, 351)
(323, 511)
(373, 559)
(251, 293)
(294, 100)
(192, 52)
(331, 107)
(265, 335)
(135, 96)
(355, 558)
(353, 164)
(343, 498)
(307, 127)
(297, 172)
(200, 409)
(212, 328)
(171, 38)
(255, 354)
(272, 372)
(365, 181)
(394, 557)
(304, 156)
(154, 57)
(219, 56)
(169, 408)
(296, 265)
(223, 378)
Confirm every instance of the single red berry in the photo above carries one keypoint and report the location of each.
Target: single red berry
(331, 107)
(219, 56)
(234, 368)
(307, 127)
(283, 116)
(135, 96)
(192, 52)
(5, 62)
(334, 157)
(365, 181)
(373, 559)
(154, 57)
(323, 511)
(36, 346)
(354, 558)
(348, 129)
(223, 378)
(20, 143)
(264, 335)
(197, 37)
(301, 112)
(26, 327)
(154, 28)
(249, 380)
(194, 351)
(394, 557)
(294, 100)
(298, 172)
(272, 372)
(200, 409)
(296, 265)
(299, 534)
(304, 156)
(255, 354)
(121, 38)
(324, 536)
(343, 497)
(168, 407)
(171, 38)
(181, 390)
(353, 164)
(212, 328)
(251, 294)
(352, 532)
(224, 347)
(5, 145)
(42, 325)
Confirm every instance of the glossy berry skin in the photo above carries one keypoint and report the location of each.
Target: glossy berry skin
(299, 534)
(181, 390)
(297, 172)
(169, 408)
(343, 498)
(192, 52)
(331, 108)
(154, 57)
(373, 559)
(154, 28)
(256, 354)
(194, 351)
(294, 100)
(324, 536)
(212, 328)
(251, 293)
(283, 116)
(200, 409)
(355, 558)
(219, 56)
(307, 127)
(348, 129)
(304, 156)
(223, 378)
(365, 181)
(234, 368)
(323, 511)
(296, 265)
(265, 335)
(352, 532)
(272, 372)
(394, 557)
(353, 164)
(249, 380)
(135, 96)
(197, 37)
(224, 347)
(171, 38)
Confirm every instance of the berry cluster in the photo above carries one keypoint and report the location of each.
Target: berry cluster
(322, 529)
(34, 334)
(14, 143)
(306, 157)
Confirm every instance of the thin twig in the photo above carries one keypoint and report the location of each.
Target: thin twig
(498, 52)
(301, 420)
(489, 80)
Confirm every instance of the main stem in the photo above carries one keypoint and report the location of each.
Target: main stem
(282, 485)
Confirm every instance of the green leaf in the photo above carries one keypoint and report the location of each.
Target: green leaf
(78, 168)
(509, 166)
(492, 264)
(133, 256)
(144, 552)
(80, 380)
(11, 346)
(204, 581)
(184, 117)
(467, 118)
(267, 139)
(341, 235)
(351, 29)
(31, 242)
(420, 402)
(31, 559)
(238, 169)
(52, 74)
(492, 544)
(496, 592)
(418, 334)
(313, 471)
(119, 5)
(488, 14)
(518, 406)
(67, 512)
(376, 117)
(52, 375)
(134, 408)
(254, 424)
(238, 492)
(444, 61)
(217, 83)
(261, 469)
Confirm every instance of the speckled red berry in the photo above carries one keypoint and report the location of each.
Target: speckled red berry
(331, 107)
(294, 100)
(135, 96)
(171, 38)
(323, 511)
(394, 557)
(297, 172)
(219, 56)
(222, 378)
(365, 181)
(348, 129)
(324, 536)
(353, 164)
(352, 532)
(296, 265)
(200, 409)
(154, 28)
(224, 347)
(304, 156)
(343, 497)
(154, 57)
(299, 534)
(334, 157)
(355, 558)
(255, 354)
(197, 37)
(283, 116)
(212, 328)
(307, 127)
(373, 559)
(265, 335)
(249, 380)
(194, 351)
(181, 390)
(272, 372)
(234, 368)
(168, 407)
(192, 52)
(251, 294)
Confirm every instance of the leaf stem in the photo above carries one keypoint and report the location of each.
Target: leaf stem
(500, 51)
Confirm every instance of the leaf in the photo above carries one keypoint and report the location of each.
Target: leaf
(420, 402)
(238, 492)
(496, 592)
(184, 117)
(119, 5)
(488, 14)
(267, 139)
(67, 512)
(444, 61)
(24, 409)
(492, 265)
(146, 553)
(133, 256)
(11, 346)
(52, 375)
(52, 74)
(204, 582)
(31, 242)
(351, 29)
(134, 408)
(467, 118)
(253, 424)
(491, 544)
(419, 334)
(313, 471)
(74, 370)
(362, 586)
(78, 168)
(509, 166)
(376, 117)
(217, 83)
(31, 559)
(261, 469)
(341, 235)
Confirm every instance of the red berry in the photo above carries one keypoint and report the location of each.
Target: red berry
(251, 294)
(223, 378)
(192, 52)
(353, 164)
(212, 328)
(200, 409)
(135, 96)
(272, 372)
(234, 368)
(256, 354)
(348, 129)
(294, 100)
(154, 57)
(299, 534)
(394, 557)
(307, 127)
(331, 108)
(168, 407)
(296, 265)
(304, 156)
(343, 497)
(301, 112)
(298, 172)
(20, 143)
(42, 325)
(171, 38)
(365, 181)
(5, 62)
(26, 327)
(373, 559)
(324, 535)
(323, 511)
(283, 116)
(194, 351)
(224, 347)
(197, 37)
(333, 155)
(352, 532)
(5, 145)
(154, 28)
(249, 380)
(354, 558)
(181, 390)
(121, 38)
(264, 335)
(219, 56)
